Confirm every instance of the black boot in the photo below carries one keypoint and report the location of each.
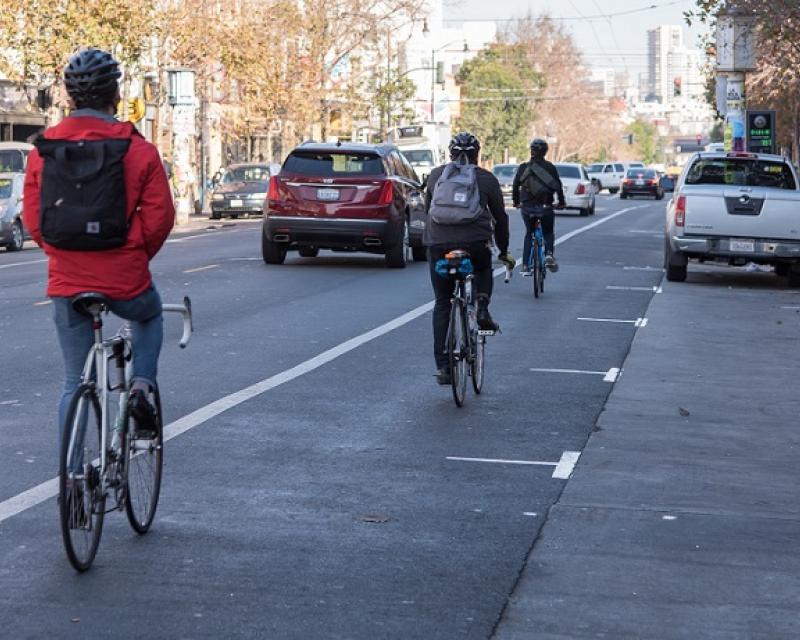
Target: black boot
(485, 322)
(143, 413)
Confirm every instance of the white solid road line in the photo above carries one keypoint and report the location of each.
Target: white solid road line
(608, 376)
(21, 264)
(563, 468)
(48, 489)
(609, 320)
(643, 268)
(566, 465)
(42, 303)
(611, 375)
(612, 287)
(204, 268)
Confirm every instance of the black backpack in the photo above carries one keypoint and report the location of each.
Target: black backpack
(538, 181)
(82, 201)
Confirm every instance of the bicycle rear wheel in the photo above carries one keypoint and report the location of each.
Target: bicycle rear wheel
(536, 268)
(81, 500)
(478, 363)
(143, 463)
(457, 352)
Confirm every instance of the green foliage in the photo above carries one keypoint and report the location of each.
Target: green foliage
(648, 144)
(496, 87)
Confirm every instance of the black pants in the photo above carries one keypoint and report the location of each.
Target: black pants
(443, 286)
(548, 218)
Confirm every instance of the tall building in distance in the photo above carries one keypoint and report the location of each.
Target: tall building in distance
(673, 69)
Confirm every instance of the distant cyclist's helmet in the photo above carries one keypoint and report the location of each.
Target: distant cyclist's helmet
(464, 143)
(539, 147)
(91, 78)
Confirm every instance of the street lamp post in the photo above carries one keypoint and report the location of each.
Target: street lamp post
(433, 73)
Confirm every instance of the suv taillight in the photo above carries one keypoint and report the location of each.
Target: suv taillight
(680, 211)
(274, 192)
(580, 190)
(387, 193)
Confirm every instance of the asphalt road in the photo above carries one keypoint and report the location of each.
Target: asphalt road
(326, 501)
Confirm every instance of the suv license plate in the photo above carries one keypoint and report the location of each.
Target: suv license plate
(640, 183)
(237, 204)
(744, 246)
(327, 194)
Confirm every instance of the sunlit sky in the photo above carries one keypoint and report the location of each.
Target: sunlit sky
(618, 41)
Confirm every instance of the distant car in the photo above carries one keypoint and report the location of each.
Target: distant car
(505, 176)
(12, 233)
(241, 190)
(14, 156)
(641, 182)
(345, 197)
(608, 175)
(667, 183)
(578, 188)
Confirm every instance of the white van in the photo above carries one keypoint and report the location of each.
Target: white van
(14, 156)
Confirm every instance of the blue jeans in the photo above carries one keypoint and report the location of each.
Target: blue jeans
(76, 337)
(547, 216)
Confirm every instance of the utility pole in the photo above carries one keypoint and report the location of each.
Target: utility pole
(735, 44)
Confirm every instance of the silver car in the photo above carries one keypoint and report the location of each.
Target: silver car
(505, 176)
(12, 234)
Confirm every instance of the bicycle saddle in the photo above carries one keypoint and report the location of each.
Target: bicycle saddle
(90, 303)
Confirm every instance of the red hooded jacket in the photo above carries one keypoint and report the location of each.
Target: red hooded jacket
(121, 273)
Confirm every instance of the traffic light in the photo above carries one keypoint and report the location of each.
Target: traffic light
(677, 86)
(761, 131)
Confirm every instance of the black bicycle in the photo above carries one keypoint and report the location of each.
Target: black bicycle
(466, 342)
(102, 454)
(535, 261)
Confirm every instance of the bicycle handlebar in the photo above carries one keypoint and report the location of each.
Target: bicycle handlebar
(185, 309)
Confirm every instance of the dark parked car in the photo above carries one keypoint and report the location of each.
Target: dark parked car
(641, 182)
(345, 197)
(241, 189)
(505, 176)
(667, 183)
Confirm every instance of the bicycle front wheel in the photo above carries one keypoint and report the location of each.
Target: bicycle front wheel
(144, 459)
(478, 363)
(457, 352)
(81, 498)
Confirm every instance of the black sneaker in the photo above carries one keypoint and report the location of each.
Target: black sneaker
(144, 414)
(485, 322)
(443, 377)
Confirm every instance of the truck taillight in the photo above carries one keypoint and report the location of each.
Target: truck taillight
(680, 211)
(274, 192)
(580, 190)
(387, 193)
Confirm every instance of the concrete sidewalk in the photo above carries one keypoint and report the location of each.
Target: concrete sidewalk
(682, 518)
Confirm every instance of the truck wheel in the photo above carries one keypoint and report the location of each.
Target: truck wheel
(308, 252)
(674, 263)
(782, 269)
(420, 254)
(794, 275)
(272, 252)
(612, 190)
(17, 237)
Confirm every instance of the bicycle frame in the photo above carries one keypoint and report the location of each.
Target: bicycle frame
(537, 243)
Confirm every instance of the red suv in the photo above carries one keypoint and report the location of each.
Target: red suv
(345, 197)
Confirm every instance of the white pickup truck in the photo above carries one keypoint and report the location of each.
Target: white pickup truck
(737, 208)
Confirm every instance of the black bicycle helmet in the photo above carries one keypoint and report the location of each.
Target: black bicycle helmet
(465, 143)
(91, 78)
(539, 147)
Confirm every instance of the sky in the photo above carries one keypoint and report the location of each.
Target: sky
(619, 41)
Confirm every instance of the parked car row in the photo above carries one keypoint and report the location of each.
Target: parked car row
(579, 189)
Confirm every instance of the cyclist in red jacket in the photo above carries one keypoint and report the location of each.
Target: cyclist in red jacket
(122, 273)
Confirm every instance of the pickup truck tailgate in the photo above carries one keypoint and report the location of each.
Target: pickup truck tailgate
(743, 212)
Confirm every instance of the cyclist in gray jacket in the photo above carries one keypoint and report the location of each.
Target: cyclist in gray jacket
(474, 237)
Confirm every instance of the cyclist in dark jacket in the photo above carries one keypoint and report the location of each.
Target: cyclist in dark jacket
(474, 238)
(534, 194)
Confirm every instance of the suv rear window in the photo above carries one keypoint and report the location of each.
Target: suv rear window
(505, 170)
(745, 172)
(565, 171)
(12, 160)
(420, 156)
(330, 165)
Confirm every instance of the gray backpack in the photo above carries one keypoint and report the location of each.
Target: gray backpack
(456, 197)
